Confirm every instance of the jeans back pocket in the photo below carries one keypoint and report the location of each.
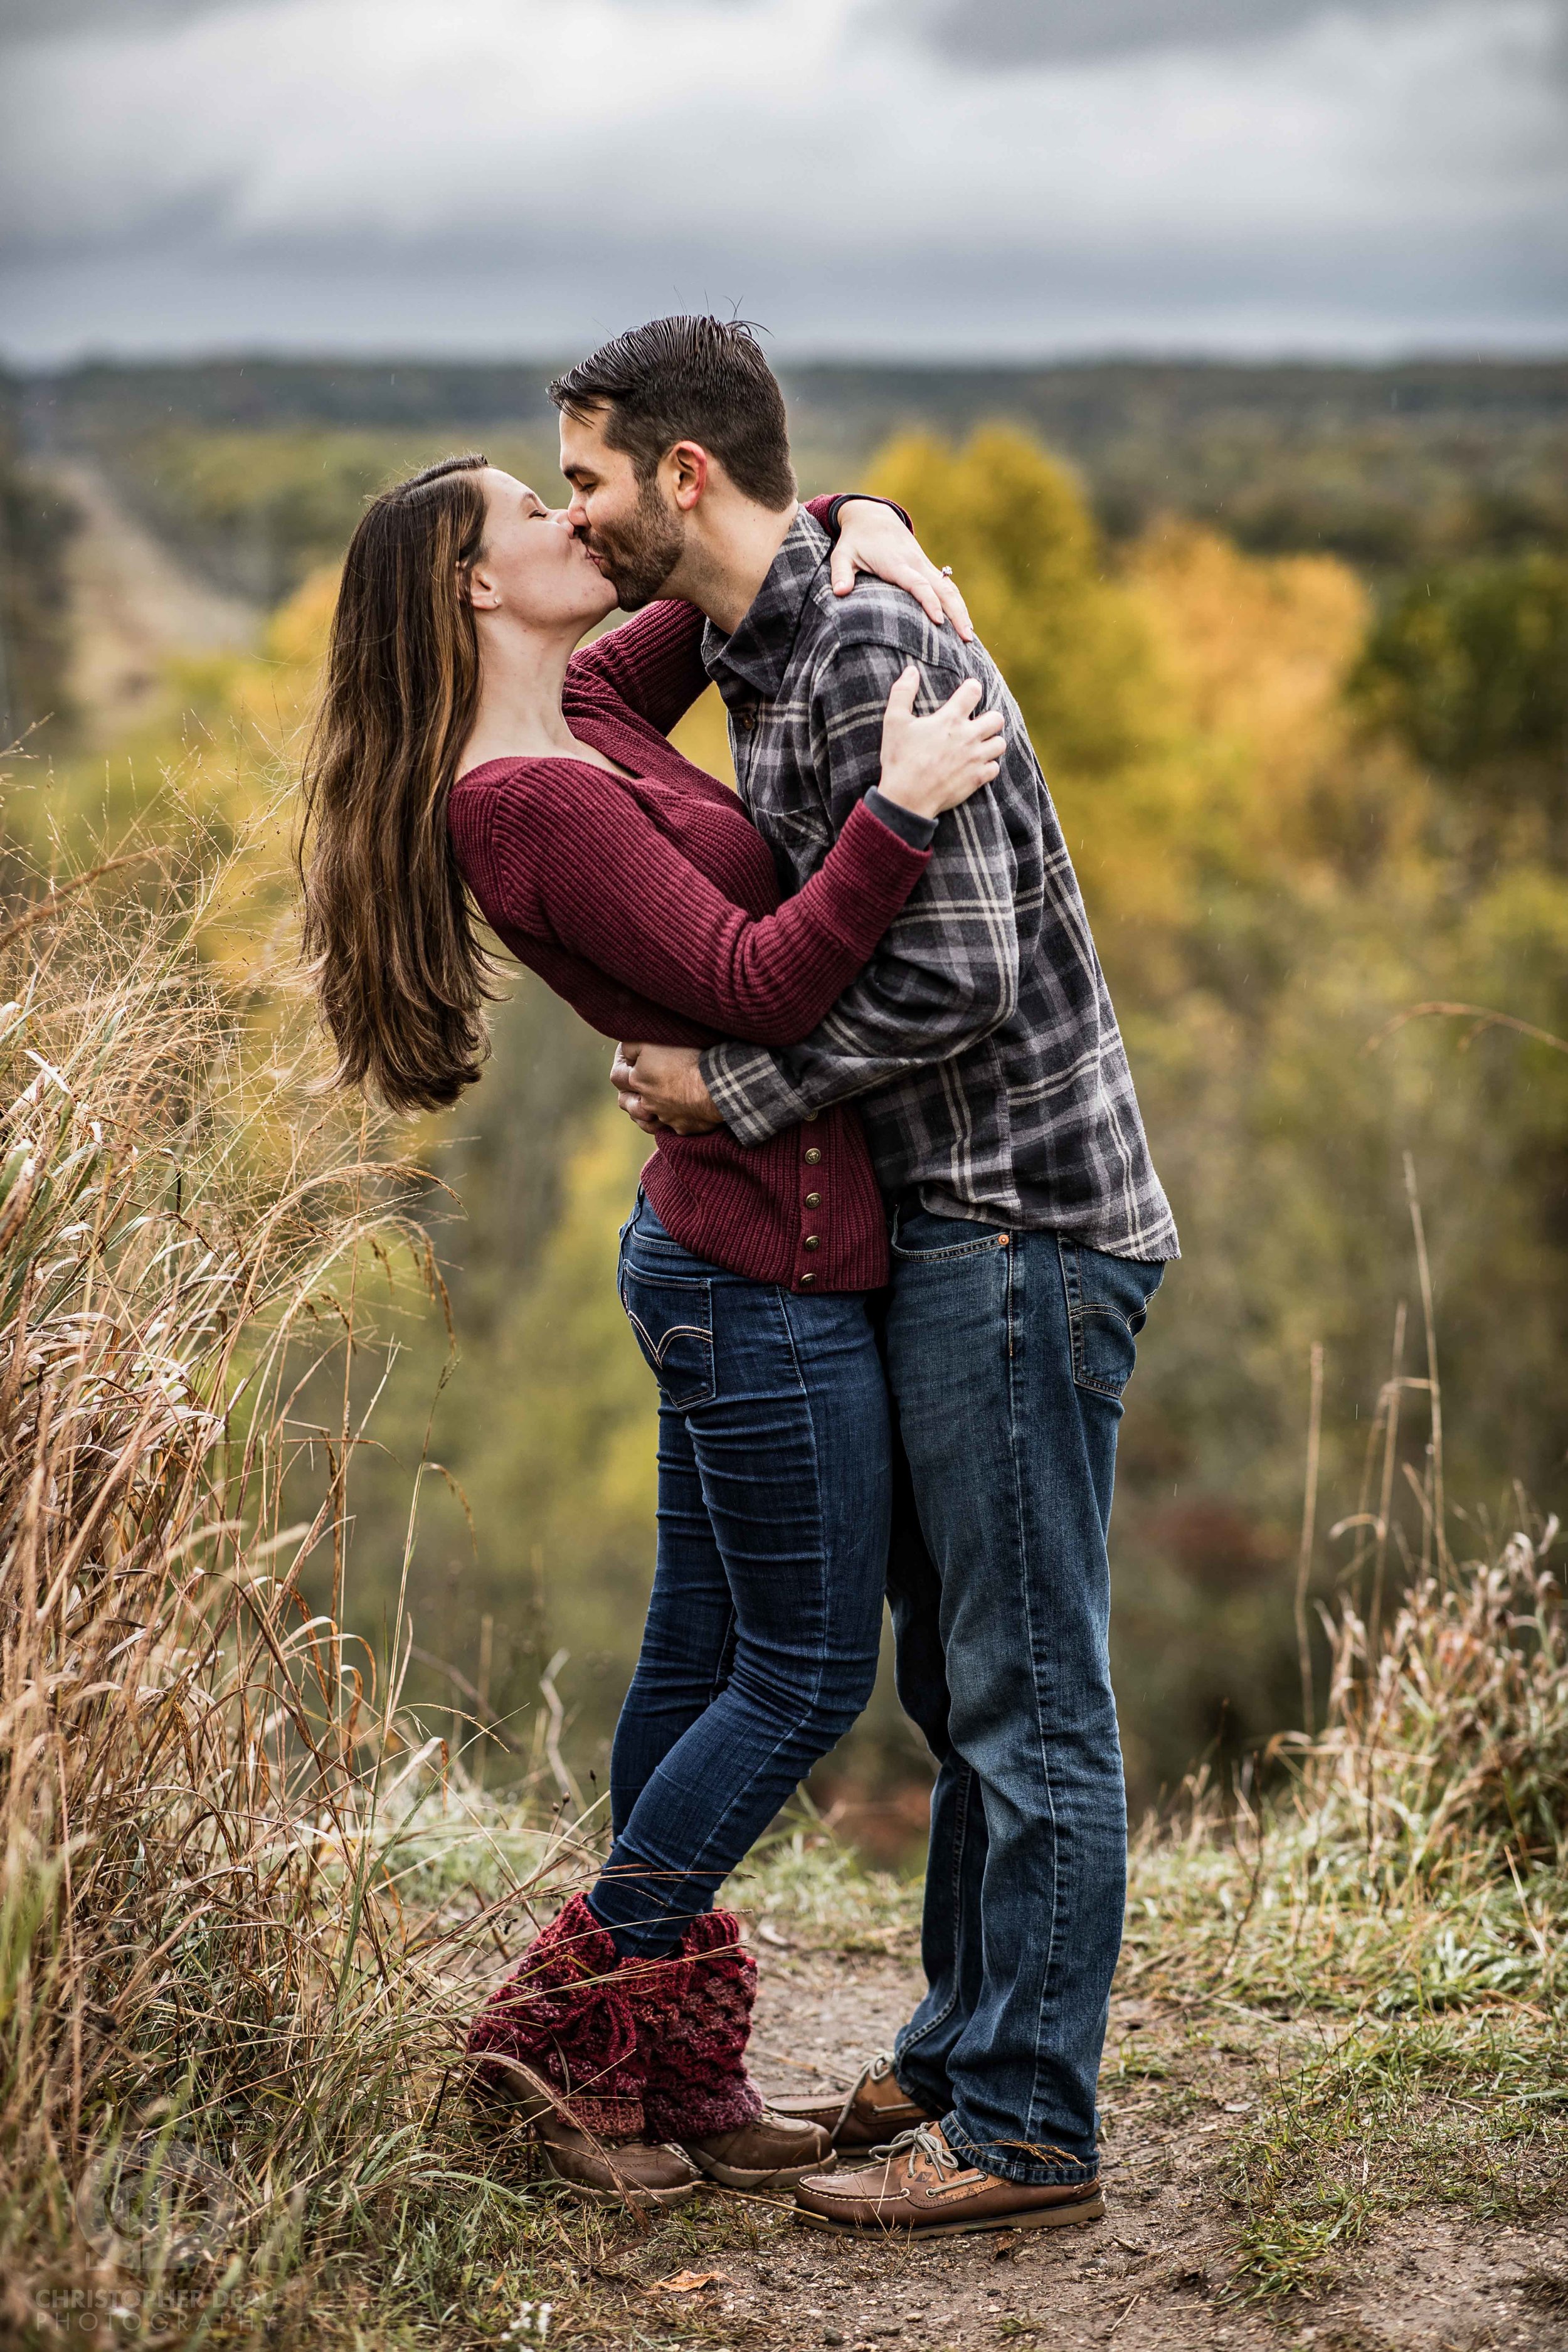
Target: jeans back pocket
(672, 1315)
(1108, 1306)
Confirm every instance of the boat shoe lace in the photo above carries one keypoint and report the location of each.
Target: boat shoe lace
(925, 2147)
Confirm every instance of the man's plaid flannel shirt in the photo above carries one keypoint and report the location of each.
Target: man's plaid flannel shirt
(981, 1037)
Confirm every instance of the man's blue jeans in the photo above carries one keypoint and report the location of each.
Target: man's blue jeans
(760, 1649)
(1007, 1354)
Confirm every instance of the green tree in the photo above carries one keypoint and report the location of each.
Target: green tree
(1469, 670)
(36, 527)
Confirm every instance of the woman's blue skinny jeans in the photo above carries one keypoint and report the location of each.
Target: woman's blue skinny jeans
(760, 1649)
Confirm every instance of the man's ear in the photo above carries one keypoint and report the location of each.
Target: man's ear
(687, 468)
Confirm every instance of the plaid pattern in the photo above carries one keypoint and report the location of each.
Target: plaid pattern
(981, 1037)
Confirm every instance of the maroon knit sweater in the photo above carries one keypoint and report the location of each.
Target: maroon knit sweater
(651, 904)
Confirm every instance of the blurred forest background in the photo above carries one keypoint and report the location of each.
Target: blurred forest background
(1293, 645)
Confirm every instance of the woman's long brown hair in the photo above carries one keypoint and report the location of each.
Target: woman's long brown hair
(399, 972)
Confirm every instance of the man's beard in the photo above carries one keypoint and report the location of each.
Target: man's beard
(643, 550)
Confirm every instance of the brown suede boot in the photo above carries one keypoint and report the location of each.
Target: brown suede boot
(693, 2016)
(628, 2173)
(557, 2044)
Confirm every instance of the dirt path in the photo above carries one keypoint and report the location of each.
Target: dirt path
(133, 606)
(1154, 2275)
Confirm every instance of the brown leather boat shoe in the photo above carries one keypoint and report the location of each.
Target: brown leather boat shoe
(775, 2152)
(869, 2115)
(922, 2187)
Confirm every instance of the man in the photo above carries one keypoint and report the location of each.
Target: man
(1029, 1233)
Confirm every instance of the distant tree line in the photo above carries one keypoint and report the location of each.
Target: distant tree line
(258, 465)
(35, 530)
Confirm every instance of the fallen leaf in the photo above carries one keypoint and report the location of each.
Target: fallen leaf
(688, 2283)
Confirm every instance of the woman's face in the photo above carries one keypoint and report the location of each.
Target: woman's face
(533, 567)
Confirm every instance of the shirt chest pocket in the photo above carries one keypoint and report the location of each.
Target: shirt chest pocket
(800, 839)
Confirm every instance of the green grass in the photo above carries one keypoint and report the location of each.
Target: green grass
(819, 1895)
(1302, 1928)
(1468, 2113)
(1410, 2026)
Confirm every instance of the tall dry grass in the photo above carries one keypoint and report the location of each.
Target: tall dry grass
(221, 2027)
(1447, 1741)
(1407, 1898)
(1408, 1851)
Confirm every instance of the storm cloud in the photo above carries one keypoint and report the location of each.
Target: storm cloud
(1013, 31)
(910, 176)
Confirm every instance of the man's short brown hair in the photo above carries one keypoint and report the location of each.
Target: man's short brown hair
(695, 379)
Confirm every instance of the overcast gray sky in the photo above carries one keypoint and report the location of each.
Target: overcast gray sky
(914, 177)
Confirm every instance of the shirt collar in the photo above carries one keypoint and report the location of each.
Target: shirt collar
(756, 653)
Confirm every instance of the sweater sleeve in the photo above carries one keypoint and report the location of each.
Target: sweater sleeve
(574, 848)
(654, 661)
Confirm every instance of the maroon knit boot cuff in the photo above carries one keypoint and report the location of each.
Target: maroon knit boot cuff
(696, 2083)
(563, 2015)
(653, 1988)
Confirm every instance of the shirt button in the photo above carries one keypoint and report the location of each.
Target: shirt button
(813, 1199)
(807, 1279)
(813, 1241)
(812, 1156)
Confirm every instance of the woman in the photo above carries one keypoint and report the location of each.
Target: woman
(465, 748)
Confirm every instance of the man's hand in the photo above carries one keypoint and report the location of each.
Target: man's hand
(623, 1077)
(660, 1087)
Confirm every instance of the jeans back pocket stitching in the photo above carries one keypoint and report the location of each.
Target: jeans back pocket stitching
(672, 1331)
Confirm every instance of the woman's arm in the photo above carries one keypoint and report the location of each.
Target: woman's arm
(653, 662)
(572, 847)
(614, 1011)
(568, 848)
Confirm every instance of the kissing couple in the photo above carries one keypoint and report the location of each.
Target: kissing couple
(887, 1262)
